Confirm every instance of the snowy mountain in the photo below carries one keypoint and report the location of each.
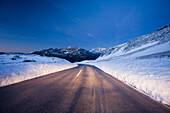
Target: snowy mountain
(72, 54)
(157, 39)
(143, 63)
(98, 50)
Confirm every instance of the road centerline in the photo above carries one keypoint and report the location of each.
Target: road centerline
(79, 73)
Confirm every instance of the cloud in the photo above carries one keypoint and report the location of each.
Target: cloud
(126, 18)
(89, 34)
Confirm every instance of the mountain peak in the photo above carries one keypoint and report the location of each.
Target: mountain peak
(98, 50)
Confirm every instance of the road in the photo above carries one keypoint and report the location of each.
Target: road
(83, 89)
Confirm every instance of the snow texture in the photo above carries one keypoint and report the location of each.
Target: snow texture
(19, 67)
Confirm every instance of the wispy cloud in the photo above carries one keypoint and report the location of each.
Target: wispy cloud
(126, 18)
(89, 34)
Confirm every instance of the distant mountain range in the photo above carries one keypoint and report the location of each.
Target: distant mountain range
(72, 54)
(2, 53)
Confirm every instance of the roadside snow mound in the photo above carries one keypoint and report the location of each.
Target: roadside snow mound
(19, 67)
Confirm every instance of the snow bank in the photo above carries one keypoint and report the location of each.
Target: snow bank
(24, 67)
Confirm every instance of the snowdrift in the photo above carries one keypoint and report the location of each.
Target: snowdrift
(19, 67)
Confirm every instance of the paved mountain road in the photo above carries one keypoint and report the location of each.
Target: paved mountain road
(83, 89)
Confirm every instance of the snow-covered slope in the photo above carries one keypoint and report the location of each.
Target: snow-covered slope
(18, 67)
(143, 63)
(142, 43)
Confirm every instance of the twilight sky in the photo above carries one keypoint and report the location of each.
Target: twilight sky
(29, 25)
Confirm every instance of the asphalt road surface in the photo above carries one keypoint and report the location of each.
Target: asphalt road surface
(83, 89)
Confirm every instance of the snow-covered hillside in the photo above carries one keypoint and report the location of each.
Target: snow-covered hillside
(18, 67)
(143, 63)
(142, 43)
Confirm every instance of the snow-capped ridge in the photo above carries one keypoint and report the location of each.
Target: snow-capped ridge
(98, 50)
(139, 44)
